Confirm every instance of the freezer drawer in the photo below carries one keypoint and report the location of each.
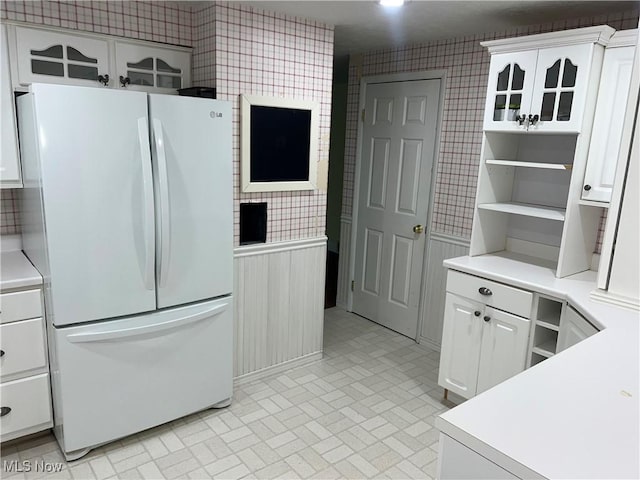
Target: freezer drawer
(115, 378)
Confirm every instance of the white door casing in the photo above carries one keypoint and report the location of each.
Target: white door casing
(398, 151)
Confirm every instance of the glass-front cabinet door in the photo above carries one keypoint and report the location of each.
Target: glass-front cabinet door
(560, 88)
(511, 80)
(54, 57)
(161, 70)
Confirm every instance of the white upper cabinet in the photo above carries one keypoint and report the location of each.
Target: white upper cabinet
(54, 57)
(9, 161)
(510, 89)
(50, 55)
(541, 82)
(152, 69)
(609, 117)
(560, 88)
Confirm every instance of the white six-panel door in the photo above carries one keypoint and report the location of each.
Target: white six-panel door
(398, 147)
(98, 201)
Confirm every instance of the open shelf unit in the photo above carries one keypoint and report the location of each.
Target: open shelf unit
(543, 341)
(528, 200)
(518, 163)
(537, 211)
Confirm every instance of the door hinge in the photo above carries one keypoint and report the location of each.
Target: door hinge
(353, 284)
(363, 114)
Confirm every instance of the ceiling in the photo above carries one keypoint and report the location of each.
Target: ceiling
(364, 25)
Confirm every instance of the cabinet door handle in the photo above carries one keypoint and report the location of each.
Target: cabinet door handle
(487, 318)
(104, 79)
(477, 313)
(485, 291)
(4, 411)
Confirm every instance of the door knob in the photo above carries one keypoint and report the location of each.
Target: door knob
(418, 229)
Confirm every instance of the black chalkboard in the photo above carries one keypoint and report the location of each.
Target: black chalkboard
(280, 139)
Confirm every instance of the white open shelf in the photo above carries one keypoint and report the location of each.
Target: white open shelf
(537, 211)
(548, 324)
(517, 163)
(547, 349)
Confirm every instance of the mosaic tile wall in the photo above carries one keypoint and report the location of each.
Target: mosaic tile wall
(467, 66)
(264, 53)
(166, 22)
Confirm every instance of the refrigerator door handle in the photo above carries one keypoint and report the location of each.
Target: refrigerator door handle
(147, 185)
(117, 333)
(163, 180)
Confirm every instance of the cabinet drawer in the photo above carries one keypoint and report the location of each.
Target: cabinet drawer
(30, 404)
(20, 305)
(502, 297)
(22, 344)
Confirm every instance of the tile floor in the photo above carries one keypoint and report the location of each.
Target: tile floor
(366, 410)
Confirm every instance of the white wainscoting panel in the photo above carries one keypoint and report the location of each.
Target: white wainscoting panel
(344, 261)
(279, 303)
(441, 247)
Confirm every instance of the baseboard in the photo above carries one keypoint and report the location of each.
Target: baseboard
(617, 300)
(276, 369)
(428, 344)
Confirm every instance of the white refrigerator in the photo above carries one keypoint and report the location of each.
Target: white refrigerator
(128, 215)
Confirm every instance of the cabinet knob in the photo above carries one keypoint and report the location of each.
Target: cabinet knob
(104, 79)
(587, 188)
(1, 353)
(124, 81)
(487, 318)
(477, 313)
(521, 119)
(4, 411)
(485, 291)
(533, 119)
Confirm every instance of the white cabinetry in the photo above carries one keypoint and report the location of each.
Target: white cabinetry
(609, 116)
(534, 156)
(163, 69)
(9, 161)
(25, 398)
(481, 345)
(541, 82)
(573, 328)
(56, 57)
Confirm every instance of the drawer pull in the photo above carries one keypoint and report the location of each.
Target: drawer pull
(4, 411)
(477, 313)
(487, 318)
(1, 353)
(485, 291)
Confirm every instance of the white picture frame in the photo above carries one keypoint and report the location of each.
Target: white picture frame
(249, 185)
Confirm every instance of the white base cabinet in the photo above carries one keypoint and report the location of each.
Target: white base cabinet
(25, 394)
(458, 462)
(481, 345)
(573, 328)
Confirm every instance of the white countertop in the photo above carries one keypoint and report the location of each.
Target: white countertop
(575, 415)
(17, 272)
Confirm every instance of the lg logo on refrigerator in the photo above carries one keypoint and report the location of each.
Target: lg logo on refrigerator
(213, 114)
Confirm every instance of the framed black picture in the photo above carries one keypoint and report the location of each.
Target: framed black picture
(278, 144)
